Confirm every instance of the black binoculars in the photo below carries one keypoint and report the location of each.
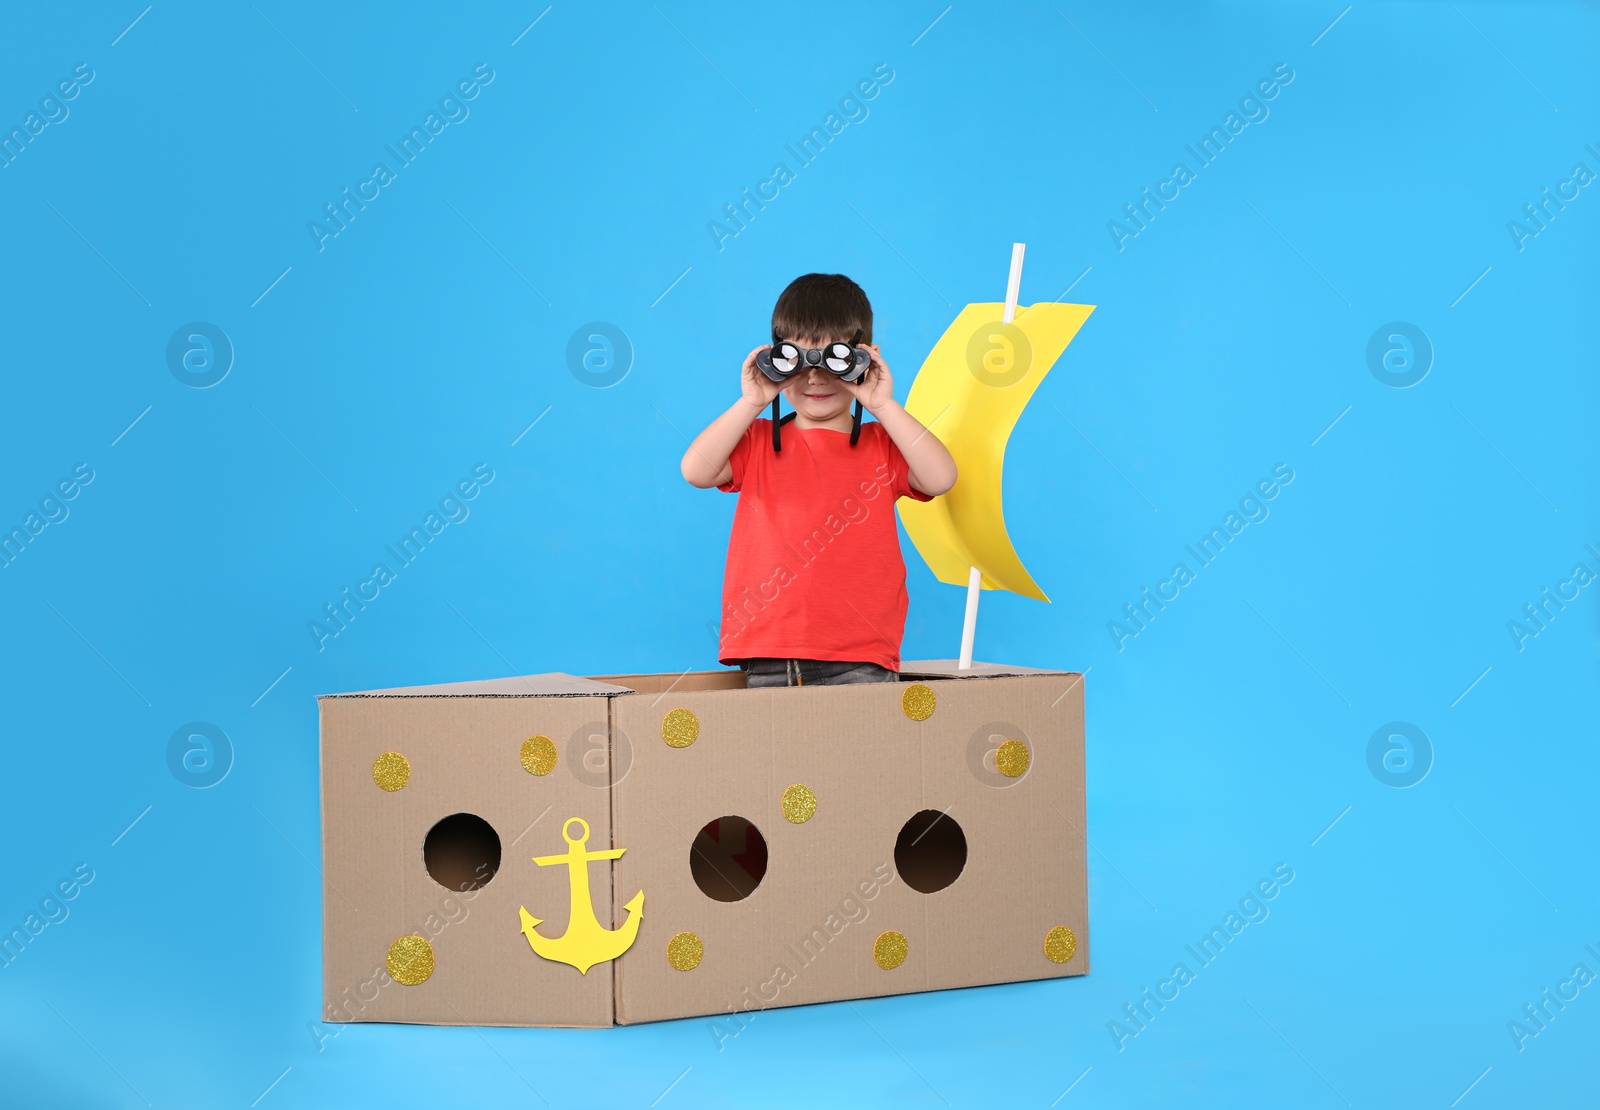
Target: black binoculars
(783, 360)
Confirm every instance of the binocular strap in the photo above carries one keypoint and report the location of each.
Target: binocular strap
(778, 423)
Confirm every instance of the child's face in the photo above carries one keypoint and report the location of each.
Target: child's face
(815, 393)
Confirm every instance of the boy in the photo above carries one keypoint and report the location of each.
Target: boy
(815, 587)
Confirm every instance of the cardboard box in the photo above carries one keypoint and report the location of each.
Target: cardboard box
(792, 845)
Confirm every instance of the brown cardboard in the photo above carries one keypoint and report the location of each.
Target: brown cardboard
(831, 884)
(464, 753)
(806, 934)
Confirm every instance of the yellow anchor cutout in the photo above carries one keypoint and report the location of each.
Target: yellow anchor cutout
(586, 942)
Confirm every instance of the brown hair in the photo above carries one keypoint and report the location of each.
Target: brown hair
(815, 306)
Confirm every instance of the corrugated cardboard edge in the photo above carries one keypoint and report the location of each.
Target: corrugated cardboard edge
(452, 1024)
(552, 684)
(322, 857)
(556, 684)
(611, 842)
(951, 668)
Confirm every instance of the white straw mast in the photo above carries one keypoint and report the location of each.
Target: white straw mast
(969, 625)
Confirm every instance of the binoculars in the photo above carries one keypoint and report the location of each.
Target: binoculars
(783, 360)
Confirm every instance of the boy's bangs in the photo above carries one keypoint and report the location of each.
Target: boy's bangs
(822, 306)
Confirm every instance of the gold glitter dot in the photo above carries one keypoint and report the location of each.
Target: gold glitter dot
(1012, 758)
(1060, 944)
(680, 728)
(684, 951)
(391, 771)
(410, 961)
(538, 755)
(799, 804)
(889, 950)
(917, 701)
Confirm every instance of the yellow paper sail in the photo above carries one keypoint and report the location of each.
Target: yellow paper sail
(970, 391)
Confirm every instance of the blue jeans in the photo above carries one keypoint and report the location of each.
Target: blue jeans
(812, 672)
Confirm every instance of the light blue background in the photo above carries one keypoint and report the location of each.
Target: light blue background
(1230, 334)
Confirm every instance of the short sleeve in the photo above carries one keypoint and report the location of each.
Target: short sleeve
(900, 470)
(740, 457)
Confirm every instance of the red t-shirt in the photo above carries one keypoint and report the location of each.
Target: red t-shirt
(814, 566)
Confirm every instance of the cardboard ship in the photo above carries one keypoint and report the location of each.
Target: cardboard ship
(746, 848)
(556, 850)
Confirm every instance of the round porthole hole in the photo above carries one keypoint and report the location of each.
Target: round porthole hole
(930, 851)
(728, 859)
(462, 852)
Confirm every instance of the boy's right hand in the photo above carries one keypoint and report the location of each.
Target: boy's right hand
(758, 389)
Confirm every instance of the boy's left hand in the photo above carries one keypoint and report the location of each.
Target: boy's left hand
(875, 390)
